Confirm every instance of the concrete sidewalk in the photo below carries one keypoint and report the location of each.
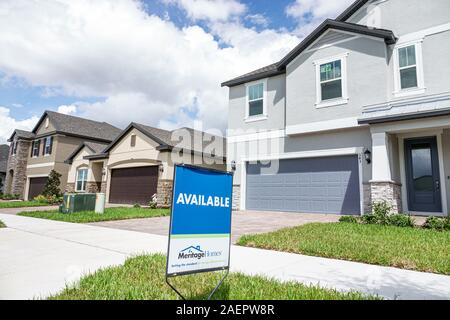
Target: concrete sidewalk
(38, 257)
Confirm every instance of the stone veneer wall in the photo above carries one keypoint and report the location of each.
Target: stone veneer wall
(93, 187)
(367, 198)
(70, 188)
(18, 164)
(164, 193)
(103, 187)
(236, 197)
(387, 191)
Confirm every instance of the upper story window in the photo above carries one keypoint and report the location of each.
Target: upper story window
(14, 145)
(133, 140)
(256, 101)
(48, 144)
(35, 148)
(81, 179)
(409, 70)
(331, 81)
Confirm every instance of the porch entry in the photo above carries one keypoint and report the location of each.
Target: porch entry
(422, 175)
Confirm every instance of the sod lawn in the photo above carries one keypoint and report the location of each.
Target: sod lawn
(90, 216)
(21, 204)
(143, 278)
(407, 248)
(2, 225)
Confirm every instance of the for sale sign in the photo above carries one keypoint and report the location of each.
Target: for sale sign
(200, 226)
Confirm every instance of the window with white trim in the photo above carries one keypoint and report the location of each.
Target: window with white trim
(48, 146)
(256, 100)
(407, 67)
(81, 179)
(35, 149)
(331, 81)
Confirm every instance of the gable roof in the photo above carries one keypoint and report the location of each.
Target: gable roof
(354, 7)
(280, 67)
(4, 153)
(96, 148)
(22, 134)
(163, 138)
(80, 127)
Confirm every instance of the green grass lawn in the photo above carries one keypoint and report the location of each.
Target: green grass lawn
(90, 216)
(2, 225)
(21, 204)
(143, 278)
(407, 248)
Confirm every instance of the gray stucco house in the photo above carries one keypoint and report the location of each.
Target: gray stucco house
(358, 112)
(4, 151)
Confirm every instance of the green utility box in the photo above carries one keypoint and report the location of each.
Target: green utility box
(76, 202)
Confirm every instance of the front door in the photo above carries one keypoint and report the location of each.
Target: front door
(422, 175)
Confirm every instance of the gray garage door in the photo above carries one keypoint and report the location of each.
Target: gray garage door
(315, 185)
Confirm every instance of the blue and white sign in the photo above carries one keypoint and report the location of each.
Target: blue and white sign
(200, 227)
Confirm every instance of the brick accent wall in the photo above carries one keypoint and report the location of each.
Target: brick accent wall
(236, 197)
(15, 183)
(164, 193)
(387, 191)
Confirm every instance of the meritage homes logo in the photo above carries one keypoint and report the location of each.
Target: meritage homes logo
(195, 252)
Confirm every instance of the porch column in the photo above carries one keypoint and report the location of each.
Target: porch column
(382, 187)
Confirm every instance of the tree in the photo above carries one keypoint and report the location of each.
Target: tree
(51, 187)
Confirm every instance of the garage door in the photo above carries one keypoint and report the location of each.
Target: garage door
(36, 187)
(133, 185)
(316, 185)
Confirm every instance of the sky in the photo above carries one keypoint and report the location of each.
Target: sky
(156, 62)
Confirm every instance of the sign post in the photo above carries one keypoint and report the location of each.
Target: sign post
(200, 223)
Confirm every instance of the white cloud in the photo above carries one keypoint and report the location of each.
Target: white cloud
(258, 19)
(67, 109)
(217, 10)
(310, 13)
(146, 68)
(8, 124)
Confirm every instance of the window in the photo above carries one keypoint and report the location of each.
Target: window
(48, 142)
(407, 67)
(256, 104)
(81, 179)
(409, 70)
(133, 140)
(331, 81)
(15, 147)
(35, 148)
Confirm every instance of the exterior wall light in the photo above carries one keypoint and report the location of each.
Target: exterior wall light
(233, 165)
(161, 168)
(368, 156)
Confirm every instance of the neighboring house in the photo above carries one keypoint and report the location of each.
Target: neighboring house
(4, 151)
(34, 154)
(139, 163)
(357, 113)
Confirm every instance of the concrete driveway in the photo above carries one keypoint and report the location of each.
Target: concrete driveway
(244, 222)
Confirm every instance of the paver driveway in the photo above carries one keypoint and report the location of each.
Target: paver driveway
(244, 222)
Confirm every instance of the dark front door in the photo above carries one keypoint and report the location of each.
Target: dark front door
(422, 175)
(36, 187)
(133, 185)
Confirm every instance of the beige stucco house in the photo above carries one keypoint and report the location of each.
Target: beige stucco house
(139, 163)
(34, 154)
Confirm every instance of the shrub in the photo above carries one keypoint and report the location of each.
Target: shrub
(381, 211)
(369, 219)
(437, 223)
(11, 196)
(401, 220)
(41, 199)
(136, 205)
(52, 186)
(348, 219)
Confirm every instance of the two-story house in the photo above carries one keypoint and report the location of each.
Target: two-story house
(357, 113)
(33, 155)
